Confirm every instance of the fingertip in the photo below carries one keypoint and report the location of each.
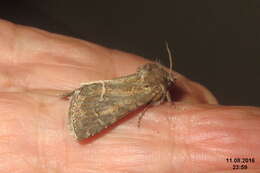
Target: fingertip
(191, 92)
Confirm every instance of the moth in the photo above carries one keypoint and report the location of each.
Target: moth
(96, 105)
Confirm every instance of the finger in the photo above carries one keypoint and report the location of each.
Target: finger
(34, 58)
(203, 135)
(191, 92)
(41, 60)
(31, 129)
(21, 44)
(36, 130)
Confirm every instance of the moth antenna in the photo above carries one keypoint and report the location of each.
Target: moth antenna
(170, 58)
(156, 60)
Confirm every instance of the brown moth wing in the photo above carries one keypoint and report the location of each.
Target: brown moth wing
(97, 105)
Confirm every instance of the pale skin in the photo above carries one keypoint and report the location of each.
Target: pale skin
(193, 134)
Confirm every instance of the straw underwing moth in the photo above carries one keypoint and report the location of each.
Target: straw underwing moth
(96, 105)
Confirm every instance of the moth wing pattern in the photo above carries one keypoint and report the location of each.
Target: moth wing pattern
(97, 105)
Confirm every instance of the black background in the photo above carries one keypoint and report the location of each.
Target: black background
(217, 42)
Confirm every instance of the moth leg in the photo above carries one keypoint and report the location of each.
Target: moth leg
(145, 109)
(168, 96)
(142, 115)
(151, 104)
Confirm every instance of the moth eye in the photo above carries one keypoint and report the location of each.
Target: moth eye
(146, 86)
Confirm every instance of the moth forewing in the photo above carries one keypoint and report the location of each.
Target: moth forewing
(96, 105)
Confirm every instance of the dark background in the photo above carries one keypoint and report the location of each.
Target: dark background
(217, 42)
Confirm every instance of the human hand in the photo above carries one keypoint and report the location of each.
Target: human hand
(193, 134)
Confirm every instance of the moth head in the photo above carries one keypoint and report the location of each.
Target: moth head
(170, 78)
(156, 73)
(159, 72)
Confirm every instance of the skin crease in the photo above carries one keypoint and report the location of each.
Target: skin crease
(193, 134)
